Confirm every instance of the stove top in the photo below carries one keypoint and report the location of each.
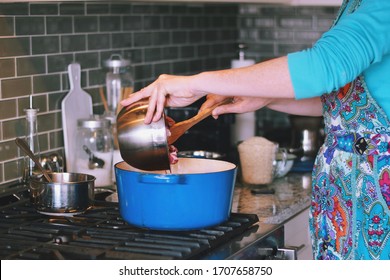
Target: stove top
(100, 233)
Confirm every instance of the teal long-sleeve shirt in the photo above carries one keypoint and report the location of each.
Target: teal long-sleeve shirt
(358, 44)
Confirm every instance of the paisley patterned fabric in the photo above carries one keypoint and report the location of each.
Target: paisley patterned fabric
(351, 182)
(350, 211)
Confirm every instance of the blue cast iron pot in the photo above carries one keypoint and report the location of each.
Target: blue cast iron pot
(197, 194)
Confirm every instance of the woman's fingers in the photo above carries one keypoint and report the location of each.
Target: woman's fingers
(211, 100)
(134, 97)
(160, 104)
(167, 90)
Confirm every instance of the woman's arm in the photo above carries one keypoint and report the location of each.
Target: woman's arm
(305, 107)
(356, 42)
(269, 79)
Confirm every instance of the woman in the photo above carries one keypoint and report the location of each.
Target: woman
(344, 77)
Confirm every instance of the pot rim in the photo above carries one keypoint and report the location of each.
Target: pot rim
(88, 178)
(229, 166)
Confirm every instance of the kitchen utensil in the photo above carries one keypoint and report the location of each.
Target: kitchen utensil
(145, 146)
(65, 194)
(53, 163)
(94, 162)
(208, 135)
(77, 104)
(25, 148)
(197, 194)
(200, 154)
(178, 129)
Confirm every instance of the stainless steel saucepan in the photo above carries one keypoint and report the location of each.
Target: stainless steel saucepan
(66, 194)
(141, 145)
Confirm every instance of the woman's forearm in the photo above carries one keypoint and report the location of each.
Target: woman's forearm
(266, 79)
(303, 107)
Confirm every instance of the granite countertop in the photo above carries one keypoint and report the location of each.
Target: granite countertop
(277, 202)
(274, 204)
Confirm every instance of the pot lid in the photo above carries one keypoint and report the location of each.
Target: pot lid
(116, 61)
(94, 122)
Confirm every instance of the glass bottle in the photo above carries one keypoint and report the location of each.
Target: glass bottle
(31, 138)
(119, 82)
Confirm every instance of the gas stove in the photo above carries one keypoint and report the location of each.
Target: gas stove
(100, 233)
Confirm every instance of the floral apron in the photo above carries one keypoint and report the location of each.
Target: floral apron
(350, 210)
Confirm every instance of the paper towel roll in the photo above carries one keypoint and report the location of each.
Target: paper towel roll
(244, 126)
(237, 63)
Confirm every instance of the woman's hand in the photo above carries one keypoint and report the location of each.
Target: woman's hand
(167, 90)
(240, 104)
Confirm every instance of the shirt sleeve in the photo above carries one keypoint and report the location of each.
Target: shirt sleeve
(356, 42)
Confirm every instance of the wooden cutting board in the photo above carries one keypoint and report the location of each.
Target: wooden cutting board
(76, 105)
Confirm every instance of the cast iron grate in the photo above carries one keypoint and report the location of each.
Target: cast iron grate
(100, 233)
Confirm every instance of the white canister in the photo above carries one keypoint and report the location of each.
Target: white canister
(244, 126)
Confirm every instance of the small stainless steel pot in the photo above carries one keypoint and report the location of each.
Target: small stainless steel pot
(67, 194)
(142, 146)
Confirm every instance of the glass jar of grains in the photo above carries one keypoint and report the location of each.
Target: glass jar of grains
(94, 150)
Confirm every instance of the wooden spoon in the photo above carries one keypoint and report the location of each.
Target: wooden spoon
(178, 129)
(24, 146)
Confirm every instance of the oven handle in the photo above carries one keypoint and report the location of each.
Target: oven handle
(288, 253)
(300, 248)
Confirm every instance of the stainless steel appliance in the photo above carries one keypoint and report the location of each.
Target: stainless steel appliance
(100, 233)
(306, 136)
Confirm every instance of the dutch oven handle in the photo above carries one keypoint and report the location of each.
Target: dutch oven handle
(161, 179)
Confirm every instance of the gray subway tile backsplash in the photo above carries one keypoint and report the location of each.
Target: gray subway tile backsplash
(44, 9)
(109, 23)
(45, 44)
(46, 83)
(58, 62)
(39, 40)
(15, 87)
(7, 26)
(72, 8)
(29, 25)
(7, 66)
(8, 108)
(73, 43)
(12, 47)
(86, 24)
(30, 65)
(59, 24)
(14, 9)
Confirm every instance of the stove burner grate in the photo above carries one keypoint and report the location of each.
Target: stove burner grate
(100, 233)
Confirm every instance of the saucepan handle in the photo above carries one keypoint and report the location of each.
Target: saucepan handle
(284, 153)
(161, 179)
